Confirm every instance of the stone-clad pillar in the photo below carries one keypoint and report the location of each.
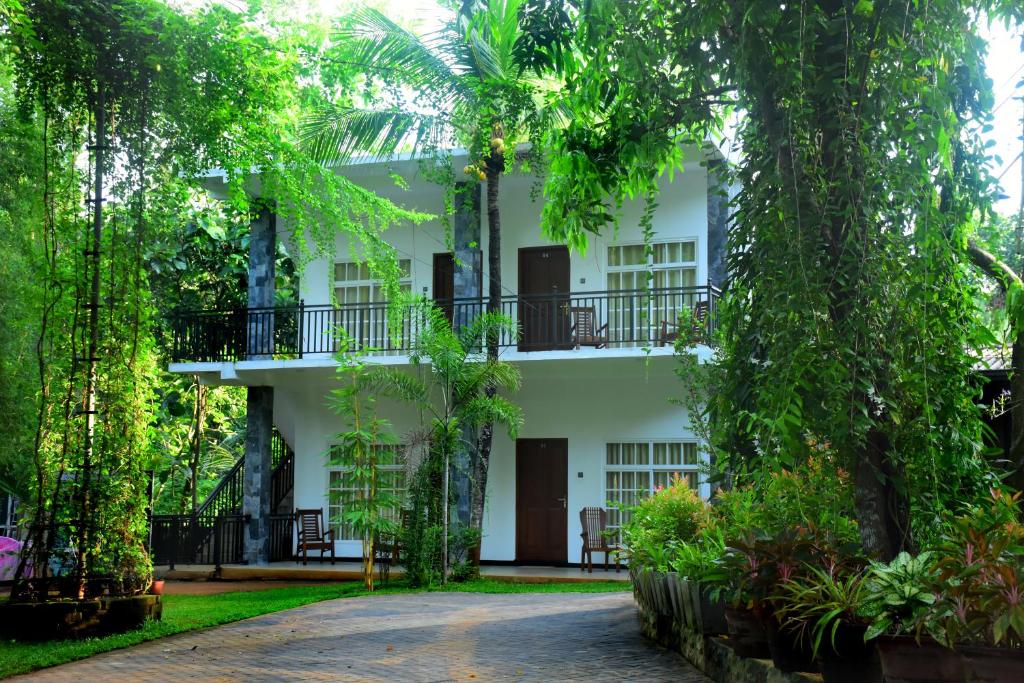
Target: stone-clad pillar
(259, 412)
(468, 269)
(262, 255)
(718, 224)
(259, 409)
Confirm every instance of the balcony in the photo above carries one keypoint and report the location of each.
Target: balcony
(555, 322)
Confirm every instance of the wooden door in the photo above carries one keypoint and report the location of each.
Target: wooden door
(544, 298)
(541, 495)
(444, 283)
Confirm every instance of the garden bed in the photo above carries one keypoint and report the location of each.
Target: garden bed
(77, 618)
(668, 618)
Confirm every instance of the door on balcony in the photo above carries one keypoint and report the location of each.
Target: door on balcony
(541, 494)
(444, 283)
(544, 315)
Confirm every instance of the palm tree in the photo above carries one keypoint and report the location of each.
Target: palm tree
(473, 87)
(459, 392)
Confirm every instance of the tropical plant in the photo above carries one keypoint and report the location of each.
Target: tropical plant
(820, 601)
(827, 231)
(361, 451)
(660, 522)
(470, 88)
(900, 594)
(981, 571)
(457, 396)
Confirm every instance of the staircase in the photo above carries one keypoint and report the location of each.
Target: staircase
(214, 532)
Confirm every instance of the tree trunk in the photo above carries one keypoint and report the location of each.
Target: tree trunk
(482, 461)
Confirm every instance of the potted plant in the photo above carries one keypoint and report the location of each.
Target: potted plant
(696, 565)
(981, 609)
(899, 601)
(825, 605)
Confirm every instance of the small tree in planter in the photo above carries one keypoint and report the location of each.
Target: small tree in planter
(459, 391)
(362, 450)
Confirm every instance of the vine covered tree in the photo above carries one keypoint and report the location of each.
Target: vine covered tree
(152, 97)
(846, 318)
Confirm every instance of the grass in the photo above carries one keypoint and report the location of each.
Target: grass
(191, 612)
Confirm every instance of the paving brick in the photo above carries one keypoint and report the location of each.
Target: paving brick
(424, 637)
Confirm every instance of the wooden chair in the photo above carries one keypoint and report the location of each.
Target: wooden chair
(312, 534)
(670, 330)
(585, 331)
(595, 527)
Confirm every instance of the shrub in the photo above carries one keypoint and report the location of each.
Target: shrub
(672, 515)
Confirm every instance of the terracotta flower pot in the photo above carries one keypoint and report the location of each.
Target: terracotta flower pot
(904, 660)
(847, 658)
(992, 664)
(746, 633)
(158, 587)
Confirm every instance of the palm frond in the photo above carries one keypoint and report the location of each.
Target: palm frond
(381, 45)
(483, 409)
(333, 134)
(392, 382)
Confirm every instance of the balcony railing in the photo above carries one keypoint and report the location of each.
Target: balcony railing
(611, 319)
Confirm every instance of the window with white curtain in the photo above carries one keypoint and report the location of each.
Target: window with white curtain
(635, 469)
(362, 307)
(673, 267)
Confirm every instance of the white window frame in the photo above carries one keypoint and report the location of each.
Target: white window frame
(335, 507)
(10, 526)
(644, 322)
(614, 521)
(374, 324)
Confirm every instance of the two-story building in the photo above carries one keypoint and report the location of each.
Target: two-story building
(594, 351)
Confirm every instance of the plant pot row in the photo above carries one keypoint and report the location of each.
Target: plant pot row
(669, 595)
(847, 658)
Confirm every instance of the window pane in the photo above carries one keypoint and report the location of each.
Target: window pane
(690, 454)
(688, 252)
(633, 255)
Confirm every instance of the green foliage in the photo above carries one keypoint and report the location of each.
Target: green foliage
(361, 450)
(670, 516)
(819, 603)
(457, 397)
(900, 594)
(850, 313)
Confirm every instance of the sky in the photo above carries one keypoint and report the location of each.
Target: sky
(1006, 69)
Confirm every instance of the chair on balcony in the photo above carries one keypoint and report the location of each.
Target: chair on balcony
(699, 323)
(585, 331)
(312, 534)
(595, 538)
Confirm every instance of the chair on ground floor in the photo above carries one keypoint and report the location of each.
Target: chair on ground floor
(595, 538)
(312, 534)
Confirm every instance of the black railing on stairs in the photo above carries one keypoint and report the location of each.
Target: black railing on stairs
(214, 533)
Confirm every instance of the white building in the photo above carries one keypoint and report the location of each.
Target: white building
(598, 424)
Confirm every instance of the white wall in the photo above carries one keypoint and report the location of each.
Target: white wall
(589, 402)
(682, 213)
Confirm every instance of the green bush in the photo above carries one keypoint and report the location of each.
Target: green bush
(662, 521)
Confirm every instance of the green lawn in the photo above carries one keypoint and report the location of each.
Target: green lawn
(190, 612)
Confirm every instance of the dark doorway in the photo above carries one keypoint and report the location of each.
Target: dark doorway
(541, 495)
(544, 298)
(444, 283)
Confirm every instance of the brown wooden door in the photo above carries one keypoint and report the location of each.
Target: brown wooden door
(444, 283)
(544, 298)
(541, 494)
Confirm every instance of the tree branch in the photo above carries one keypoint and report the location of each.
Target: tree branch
(992, 266)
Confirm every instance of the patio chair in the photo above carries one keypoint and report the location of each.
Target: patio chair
(312, 534)
(585, 331)
(595, 538)
(699, 321)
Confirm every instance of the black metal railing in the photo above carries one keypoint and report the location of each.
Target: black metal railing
(282, 537)
(214, 534)
(609, 319)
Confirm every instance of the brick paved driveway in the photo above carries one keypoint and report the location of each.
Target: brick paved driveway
(591, 637)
